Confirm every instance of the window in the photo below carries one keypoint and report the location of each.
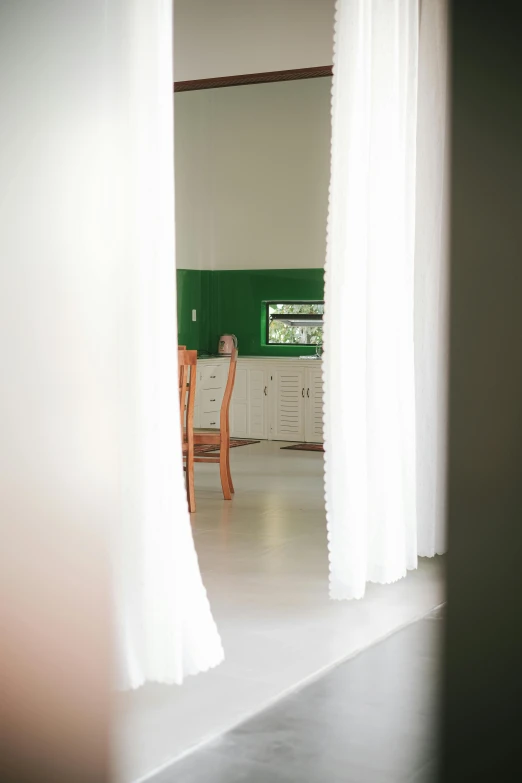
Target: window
(294, 323)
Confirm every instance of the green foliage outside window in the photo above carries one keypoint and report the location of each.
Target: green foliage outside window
(280, 333)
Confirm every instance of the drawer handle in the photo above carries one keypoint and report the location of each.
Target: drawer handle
(302, 392)
(212, 376)
(213, 400)
(265, 391)
(212, 423)
(308, 392)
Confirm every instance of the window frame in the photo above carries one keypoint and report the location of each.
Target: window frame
(269, 302)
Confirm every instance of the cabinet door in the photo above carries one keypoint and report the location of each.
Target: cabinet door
(288, 406)
(314, 406)
(239, 404)
(248, 407)
(257, 403)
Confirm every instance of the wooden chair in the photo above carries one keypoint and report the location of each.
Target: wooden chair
(187, 371)
(221, 438)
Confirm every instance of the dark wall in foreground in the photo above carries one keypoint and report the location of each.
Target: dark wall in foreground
(482, 715)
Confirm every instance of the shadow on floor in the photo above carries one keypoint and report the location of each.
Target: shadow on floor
(371, 719)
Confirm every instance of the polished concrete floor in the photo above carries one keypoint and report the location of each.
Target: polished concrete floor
(264, 562)
(372, 719)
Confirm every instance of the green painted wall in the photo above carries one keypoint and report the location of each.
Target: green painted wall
(193, 293)
(232, 302)
(239, 297)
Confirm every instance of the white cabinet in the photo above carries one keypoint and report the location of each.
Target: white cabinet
(213, 376)
(257, 409)
(287, 420)
(210, 387)
(278, 399)
(314, 406)
(248, 408)
(239, 404)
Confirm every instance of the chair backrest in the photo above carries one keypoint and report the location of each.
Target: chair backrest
(227, 396)
(187, 372)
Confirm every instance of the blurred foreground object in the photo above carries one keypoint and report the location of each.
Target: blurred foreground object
(91, 481)
(482, 717)
(58, 465)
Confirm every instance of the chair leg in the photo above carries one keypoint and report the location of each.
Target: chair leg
(191, 496)
(230, 482)
(223, 472)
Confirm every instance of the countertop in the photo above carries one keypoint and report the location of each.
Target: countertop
(262, 358)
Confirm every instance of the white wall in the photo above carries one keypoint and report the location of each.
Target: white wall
(193, 179)
(225, 37)
(252, 174)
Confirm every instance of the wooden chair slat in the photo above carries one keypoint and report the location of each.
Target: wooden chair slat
(222, 436)
(187, 374)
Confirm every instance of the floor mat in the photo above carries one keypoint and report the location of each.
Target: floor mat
(214, 450)
(305, 447)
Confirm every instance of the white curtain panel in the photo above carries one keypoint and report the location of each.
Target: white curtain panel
(431, 276)
(164, 622)
(374, 470)
(91, 430)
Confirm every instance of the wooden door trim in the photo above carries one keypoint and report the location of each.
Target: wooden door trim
(293, 74)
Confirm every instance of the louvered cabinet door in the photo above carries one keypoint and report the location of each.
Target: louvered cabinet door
(288, 405)
(314, 406)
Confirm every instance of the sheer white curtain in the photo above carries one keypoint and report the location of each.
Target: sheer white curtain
(431, 275)
(88, 327)
(166, 630)
(374, 470)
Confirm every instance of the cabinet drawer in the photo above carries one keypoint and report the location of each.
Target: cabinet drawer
(213, 376)
(209, 420)
(210, 400)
